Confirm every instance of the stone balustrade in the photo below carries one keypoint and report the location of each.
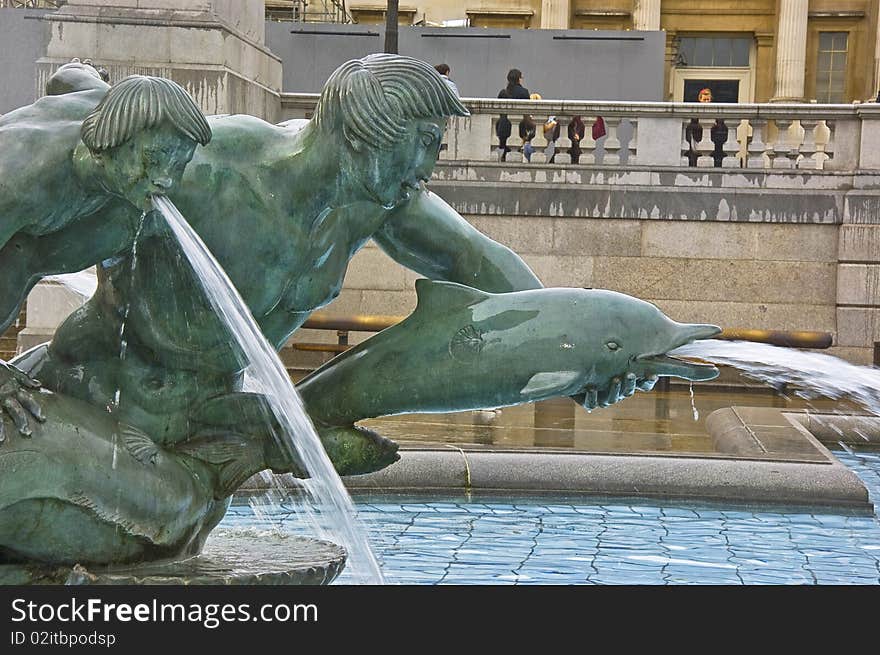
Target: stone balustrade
(762, 136)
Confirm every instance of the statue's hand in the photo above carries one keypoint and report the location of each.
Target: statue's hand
(17, 402)
(618, 389)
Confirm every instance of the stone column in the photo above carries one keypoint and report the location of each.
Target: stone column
(791, 51)
(646, 15)
(555, 14)
(876, 86)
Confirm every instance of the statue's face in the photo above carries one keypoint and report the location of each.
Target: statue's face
(390, 176)
(148, 164)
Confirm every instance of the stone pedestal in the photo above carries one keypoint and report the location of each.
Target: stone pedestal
(791, 51)
(215, 49)
(47, 307)
(230, 557)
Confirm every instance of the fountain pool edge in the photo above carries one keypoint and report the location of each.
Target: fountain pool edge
(731, 480)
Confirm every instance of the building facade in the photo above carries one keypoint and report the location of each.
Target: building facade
(745, 50)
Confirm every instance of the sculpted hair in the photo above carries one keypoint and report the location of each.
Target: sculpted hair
(138, 103)
(373, 98)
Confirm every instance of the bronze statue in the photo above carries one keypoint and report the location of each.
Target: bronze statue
(143, 444)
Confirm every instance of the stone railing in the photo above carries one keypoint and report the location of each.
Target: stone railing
(776, 136)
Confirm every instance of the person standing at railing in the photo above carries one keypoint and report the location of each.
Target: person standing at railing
(576, 132)
(694, 134)
(528, 129)
(513, 91)
(551, 133)
(444, 69)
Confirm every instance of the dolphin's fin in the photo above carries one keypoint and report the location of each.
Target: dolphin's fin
(447, 295)
(234, 457)
(542, 384)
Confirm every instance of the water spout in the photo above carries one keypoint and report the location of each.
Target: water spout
(811, 373)
(266, 375)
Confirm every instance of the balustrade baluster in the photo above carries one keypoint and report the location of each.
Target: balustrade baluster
(496, 144)
(706, 147)
(611, 144)
(627, 133)
(539, 143)
(807, 149)
(563, 143)
(782, 145)
(515, 143)
(731, 145)
(591, 151)
(757, 146)
(824, 143)
(685, 143)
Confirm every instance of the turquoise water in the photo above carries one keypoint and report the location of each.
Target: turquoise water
(483, 540)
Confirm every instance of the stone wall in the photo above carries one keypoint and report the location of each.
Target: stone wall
(23, 37)
(215, 49)
(772, 251)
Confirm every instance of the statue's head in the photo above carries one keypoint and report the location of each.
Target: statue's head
(142, 135)
(390, 111)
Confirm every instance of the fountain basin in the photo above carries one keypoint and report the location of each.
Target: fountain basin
(230, 557)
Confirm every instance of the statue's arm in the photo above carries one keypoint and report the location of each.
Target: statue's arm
(431, 238)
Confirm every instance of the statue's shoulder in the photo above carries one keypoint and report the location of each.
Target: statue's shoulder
(75, 77)
(72, 92)
(242, 135)
(51, 124)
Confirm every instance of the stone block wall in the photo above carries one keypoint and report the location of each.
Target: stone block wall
(796, 262)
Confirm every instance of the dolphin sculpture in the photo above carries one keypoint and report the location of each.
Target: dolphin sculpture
(506, 349)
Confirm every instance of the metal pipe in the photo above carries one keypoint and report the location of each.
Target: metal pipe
(355, 323)
(787, 338)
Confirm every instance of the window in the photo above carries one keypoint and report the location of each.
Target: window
(715, 52)
(831, 67)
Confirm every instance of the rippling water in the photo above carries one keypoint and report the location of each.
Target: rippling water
(581, 540)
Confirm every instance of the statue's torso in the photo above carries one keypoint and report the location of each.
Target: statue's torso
(284, 262)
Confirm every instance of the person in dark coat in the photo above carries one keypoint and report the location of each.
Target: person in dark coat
(576, 132)
(694, 134)
(513, 91)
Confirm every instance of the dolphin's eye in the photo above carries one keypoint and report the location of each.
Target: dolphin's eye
(612, 346)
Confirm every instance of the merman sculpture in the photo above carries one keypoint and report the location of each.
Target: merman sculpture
(134, 458)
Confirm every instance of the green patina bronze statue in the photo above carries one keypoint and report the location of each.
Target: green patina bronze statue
(140, 430)
(75, 201)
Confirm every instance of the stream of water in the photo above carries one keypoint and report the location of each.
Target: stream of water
(266, 374)
(809, 374)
